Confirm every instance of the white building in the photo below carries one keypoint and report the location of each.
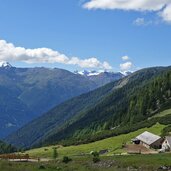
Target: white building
(166, 145)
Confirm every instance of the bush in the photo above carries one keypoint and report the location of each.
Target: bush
(66, 159)
(95, 155)
(96, 159)
(41, 167)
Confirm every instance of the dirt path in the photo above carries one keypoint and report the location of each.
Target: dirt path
(137, 149)
(30, 160)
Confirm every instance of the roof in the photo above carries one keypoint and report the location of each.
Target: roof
(168, 138)
(148, 137)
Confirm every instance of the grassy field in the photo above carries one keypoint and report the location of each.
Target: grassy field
(114, 163)
(113, 144)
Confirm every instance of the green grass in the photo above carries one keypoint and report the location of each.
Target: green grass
(113, 144)
(162, 114)
(83, 164)
(119, 163)
(150, 161)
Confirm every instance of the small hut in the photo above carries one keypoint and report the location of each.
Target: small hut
(149, 140)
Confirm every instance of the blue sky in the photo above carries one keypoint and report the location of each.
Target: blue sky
(84, 36)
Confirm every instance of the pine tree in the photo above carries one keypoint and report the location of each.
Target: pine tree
(55, 153)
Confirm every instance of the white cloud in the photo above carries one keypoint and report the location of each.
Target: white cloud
(162, 6)
(126, 66)
(137, 5)
(125, 58)
(166, 14)
(139, 21)
(9, 52)
(144, 22)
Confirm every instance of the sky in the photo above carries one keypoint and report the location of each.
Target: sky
(86, 34)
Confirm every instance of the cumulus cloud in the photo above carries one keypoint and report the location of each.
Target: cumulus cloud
(126, 66)
(9, 52)
(166, 14)
(158, 6)
(125, 58)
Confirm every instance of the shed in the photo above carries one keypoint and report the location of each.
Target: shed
(150, 140)
(166, 145)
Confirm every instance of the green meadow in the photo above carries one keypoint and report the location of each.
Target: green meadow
(112, 163)
(113, 144)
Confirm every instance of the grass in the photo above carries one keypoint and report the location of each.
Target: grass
(162, 114)
(113, 144)
(118, 163)
(147, 160)
(83, 164)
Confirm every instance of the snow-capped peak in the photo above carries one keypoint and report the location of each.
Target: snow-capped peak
(5, 64)
(95, 73)
(88, 73)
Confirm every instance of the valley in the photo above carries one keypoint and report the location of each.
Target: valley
(27, 93)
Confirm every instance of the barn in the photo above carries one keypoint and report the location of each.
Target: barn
(149, 140)
(166, 145)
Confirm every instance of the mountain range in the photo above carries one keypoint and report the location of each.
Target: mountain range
(109, 110)
(27, 93)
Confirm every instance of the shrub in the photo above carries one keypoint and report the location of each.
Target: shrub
(95, 155)
(41, 167)
(96, 159)
(66, 159)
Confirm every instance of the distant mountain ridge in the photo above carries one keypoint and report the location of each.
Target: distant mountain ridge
(5, 64)
(95, 73)
(26, 93)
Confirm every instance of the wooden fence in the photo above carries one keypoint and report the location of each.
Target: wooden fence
(14, 156)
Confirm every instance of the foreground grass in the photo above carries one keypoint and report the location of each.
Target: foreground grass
(112, 163)
(113, 144)
(148, 160)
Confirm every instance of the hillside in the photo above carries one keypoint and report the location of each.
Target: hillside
(113, 144)
(101, 113)
(120, 111)
(26, 93)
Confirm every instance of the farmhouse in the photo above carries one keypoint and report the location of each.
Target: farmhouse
(166, 145)
(149, 140)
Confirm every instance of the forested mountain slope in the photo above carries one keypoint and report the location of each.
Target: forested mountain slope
(124, 107)
(86, 117)
(6, 148)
